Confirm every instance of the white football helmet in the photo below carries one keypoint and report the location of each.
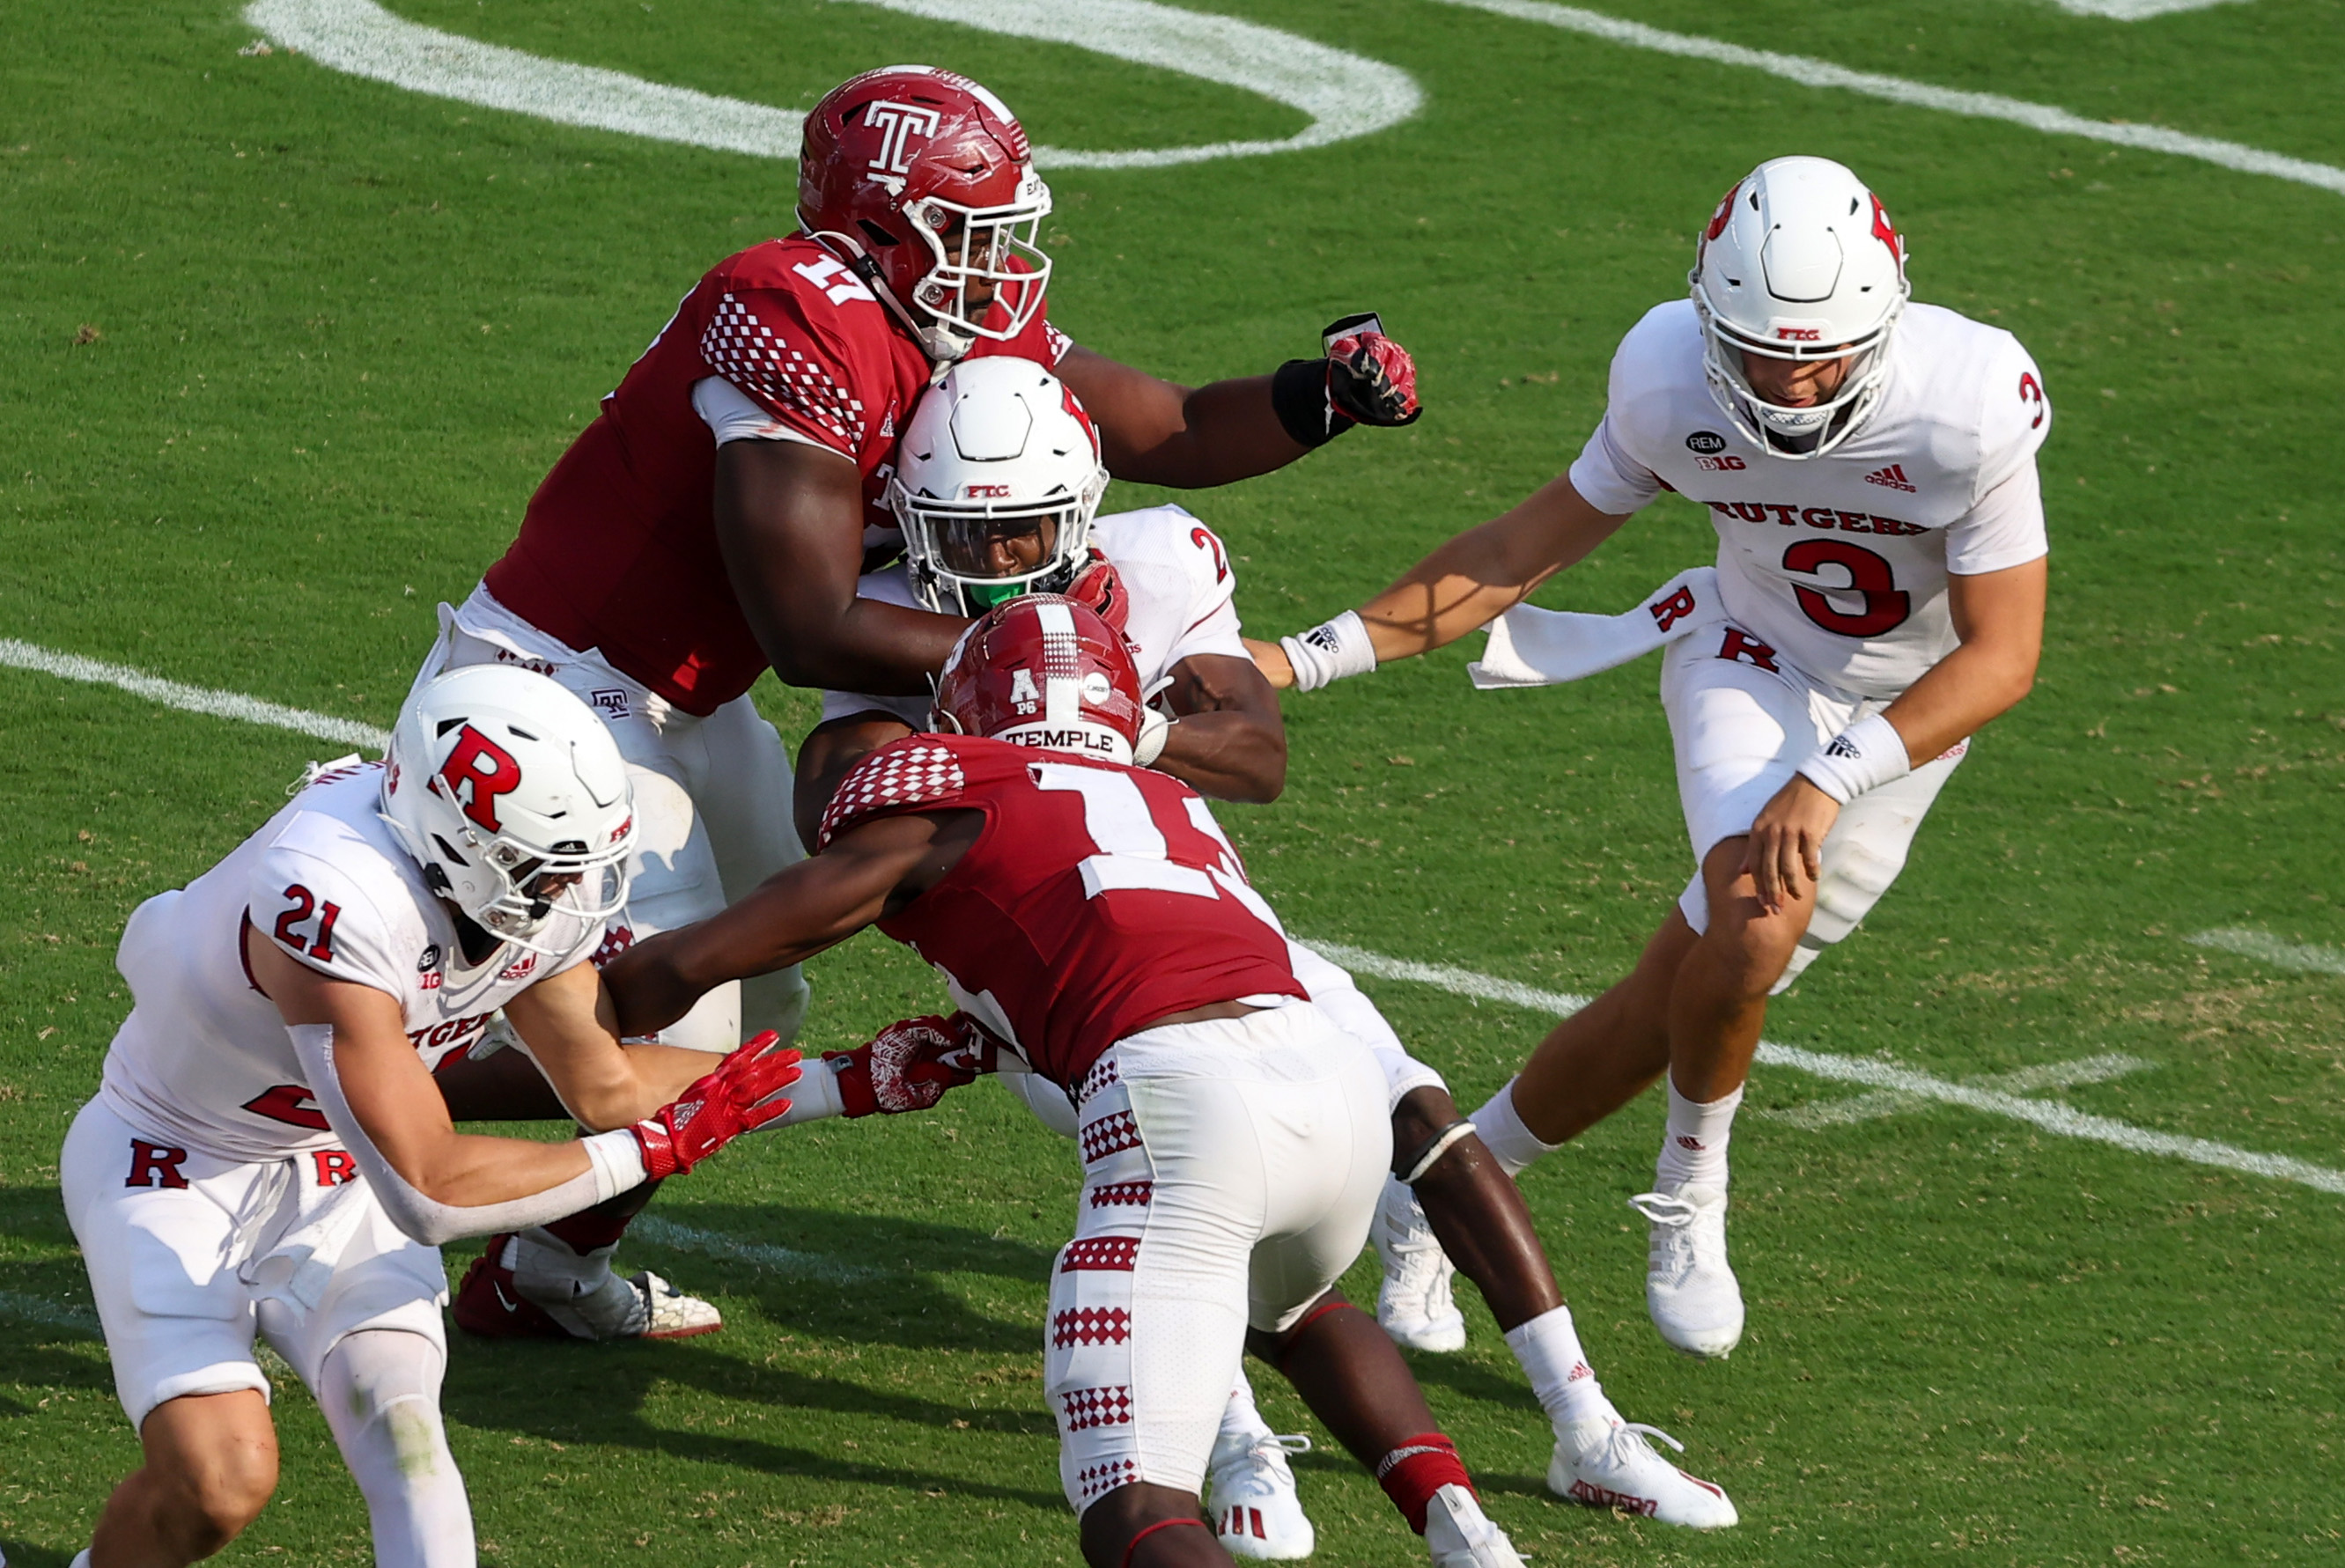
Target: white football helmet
(999, 446)
(512, 795)
(1799, 262)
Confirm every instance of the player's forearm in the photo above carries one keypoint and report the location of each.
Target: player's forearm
(1227, 755)
(1205, 436)
(645, 1078)
(1972, 685)
(884, 649)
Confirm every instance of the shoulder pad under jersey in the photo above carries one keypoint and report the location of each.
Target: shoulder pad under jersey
(918, 770)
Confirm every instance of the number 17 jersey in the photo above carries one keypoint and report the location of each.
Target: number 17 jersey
(1839, 563)
(1096, 900)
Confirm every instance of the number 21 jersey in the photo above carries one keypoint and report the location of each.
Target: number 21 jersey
(1839, 563)
(204, 1059)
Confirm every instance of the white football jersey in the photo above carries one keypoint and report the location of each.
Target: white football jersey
(1839, 563)
(1176, 581)
(204, 1058)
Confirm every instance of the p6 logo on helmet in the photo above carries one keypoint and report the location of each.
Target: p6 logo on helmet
(1023, 696)
(477, 771)
(897, 123)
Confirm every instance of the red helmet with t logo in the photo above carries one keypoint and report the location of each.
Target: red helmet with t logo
(1043, 670)
(922, 181)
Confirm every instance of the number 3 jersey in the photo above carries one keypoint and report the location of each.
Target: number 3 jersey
(1096, 900)
(1839, 563)
(204, 1059)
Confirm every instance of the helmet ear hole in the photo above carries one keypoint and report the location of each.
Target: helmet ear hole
(874, 234)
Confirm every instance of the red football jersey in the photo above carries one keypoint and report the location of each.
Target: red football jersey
(1097, 900)
(618, 548)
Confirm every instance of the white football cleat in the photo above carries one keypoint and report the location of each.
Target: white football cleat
(1608, 1464)
(1691, 1291)
(1462, 1536)
(1414, 1305)
(1255, 1510)
(586, 1297)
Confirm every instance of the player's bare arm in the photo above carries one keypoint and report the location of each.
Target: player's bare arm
(568, 1023)
(1160, 432)
(1469, 581)
(390, 1091)
(790, 520)
(1999, 615)
(1229, 741)
(1156, 432)
(860, 878)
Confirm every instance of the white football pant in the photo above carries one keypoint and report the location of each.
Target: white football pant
(1230, 1169)
(1740, 731)
(712, 806)
(190, 1255)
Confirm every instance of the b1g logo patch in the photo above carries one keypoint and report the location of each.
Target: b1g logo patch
(1705, 443)
(609, 702)
(427, 968)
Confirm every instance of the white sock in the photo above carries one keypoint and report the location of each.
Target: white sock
(1242, 1424)
(379, 1392)
(540, 1261)
(1693, 1148)
(1549, 1349)
(1514, 1146)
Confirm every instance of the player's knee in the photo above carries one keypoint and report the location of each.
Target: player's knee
(206, 1505)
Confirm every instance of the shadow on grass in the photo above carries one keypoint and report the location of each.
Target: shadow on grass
(25, 1554)
(858, 1279)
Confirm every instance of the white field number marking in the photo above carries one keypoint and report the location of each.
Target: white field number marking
(2047, 1115)
(1342, 95)
(2136, 10)
(1824, 75)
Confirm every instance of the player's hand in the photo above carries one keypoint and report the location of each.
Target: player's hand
(1100, 589)
(910, 1064)
(1272, 661)
(741, 1096)
(1785, 857)
(1371, 379)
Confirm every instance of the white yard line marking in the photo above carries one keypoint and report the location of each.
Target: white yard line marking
(2271, 949)
(2047, 1115)
(2138, 10)
(1344, 95)
(191, 699)
(1877, 1103)
(784, 1261)
(1823, 74)
(56, 1314)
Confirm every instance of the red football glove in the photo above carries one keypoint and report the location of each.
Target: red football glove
(910, 1064)
(734, 1099)
(1098, 588)
(1371, 379)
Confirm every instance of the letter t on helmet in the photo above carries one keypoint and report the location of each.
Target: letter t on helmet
(921, 181)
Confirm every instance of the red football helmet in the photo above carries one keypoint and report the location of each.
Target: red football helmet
(1042, 671)
(922, 181)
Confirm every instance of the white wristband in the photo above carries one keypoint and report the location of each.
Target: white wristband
(617, 1158)
(1867, 755)
(815, 1096)
(1330, 651)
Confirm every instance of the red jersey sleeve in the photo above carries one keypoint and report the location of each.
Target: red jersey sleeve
(792, 348)
(914, 772)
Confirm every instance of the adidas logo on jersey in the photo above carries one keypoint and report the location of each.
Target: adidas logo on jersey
(1893, 476)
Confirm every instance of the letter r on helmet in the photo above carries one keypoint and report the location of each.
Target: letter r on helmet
(476, 773)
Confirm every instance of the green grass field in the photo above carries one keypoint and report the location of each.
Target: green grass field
(287, 350)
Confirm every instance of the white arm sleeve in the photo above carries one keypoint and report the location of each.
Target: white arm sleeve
(614, 1164)
(731, 416)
